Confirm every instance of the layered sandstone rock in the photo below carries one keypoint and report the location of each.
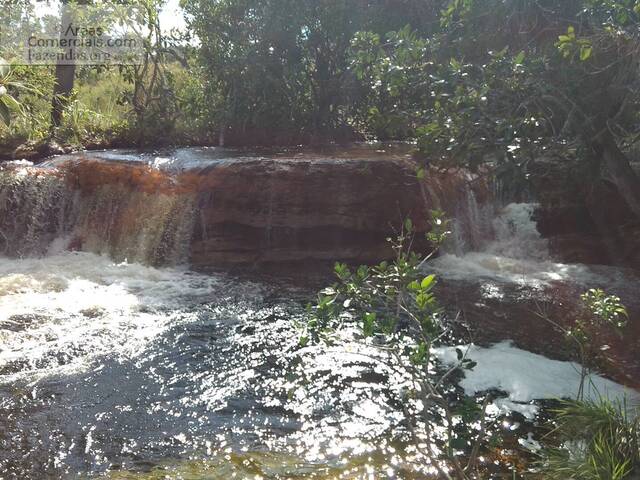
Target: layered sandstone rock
(282, 210)
(585, 223)
(240, 211)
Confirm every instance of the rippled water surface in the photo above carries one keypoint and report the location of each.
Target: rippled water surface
(131, 370)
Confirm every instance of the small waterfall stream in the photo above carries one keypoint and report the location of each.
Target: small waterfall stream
(41, 211)
(515, 252)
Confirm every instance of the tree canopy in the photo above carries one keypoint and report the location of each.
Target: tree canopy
(491, 85)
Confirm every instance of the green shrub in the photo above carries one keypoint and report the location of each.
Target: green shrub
(594, 440)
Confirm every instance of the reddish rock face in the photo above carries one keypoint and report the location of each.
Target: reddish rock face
(276, 210)
(243, 211)
(584, 222)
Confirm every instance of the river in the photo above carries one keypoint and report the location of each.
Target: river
(112, 368)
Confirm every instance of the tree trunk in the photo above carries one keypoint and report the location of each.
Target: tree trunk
(65, 71)
(64, 85)
(622, 174)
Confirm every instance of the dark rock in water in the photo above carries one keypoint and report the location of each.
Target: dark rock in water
(584, 222)
(579, 248)
(28, 151)
(34, 150)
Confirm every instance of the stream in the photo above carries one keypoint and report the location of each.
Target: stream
(115, 369)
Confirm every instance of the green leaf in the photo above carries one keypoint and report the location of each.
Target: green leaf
(368, 324)
(420, 354)
(11, 102)
(421, 173)
(5, 115)
(622, 17)
(341, 270)
(362, 272)
(422, 300)
(408, 225)
(26, 88)
(427, 282)
(5, 68)
(519, 58)
(585, 53)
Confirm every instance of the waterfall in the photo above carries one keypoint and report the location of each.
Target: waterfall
(94, 208)
(139, 213)
(471, 223)
(516, 234)
(467, 202)
(515, 252)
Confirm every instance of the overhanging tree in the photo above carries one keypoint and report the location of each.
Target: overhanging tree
(531, 78)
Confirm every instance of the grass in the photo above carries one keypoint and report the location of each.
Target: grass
(594, 440)
(95, 113)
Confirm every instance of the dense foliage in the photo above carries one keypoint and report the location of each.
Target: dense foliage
(284, 68)
(490, 85)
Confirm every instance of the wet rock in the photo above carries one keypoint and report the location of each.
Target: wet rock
(579, 248)
(28, 151)
(584, 222)
(54, 148)
(36, 150)
(247, 211)
(264, 211)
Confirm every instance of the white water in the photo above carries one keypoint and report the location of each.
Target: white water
(39, 210)
(60, 312)
(525, 377)
(518, 254)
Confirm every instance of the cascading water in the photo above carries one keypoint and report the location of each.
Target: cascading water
(514, 251)
(41, 209)
(107, 365)
(471, 223)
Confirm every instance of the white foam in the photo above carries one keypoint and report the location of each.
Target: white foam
(516, 234)
(522, 271)
(518, 254)
(17, 164)
(526, 376)
(58, 313)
